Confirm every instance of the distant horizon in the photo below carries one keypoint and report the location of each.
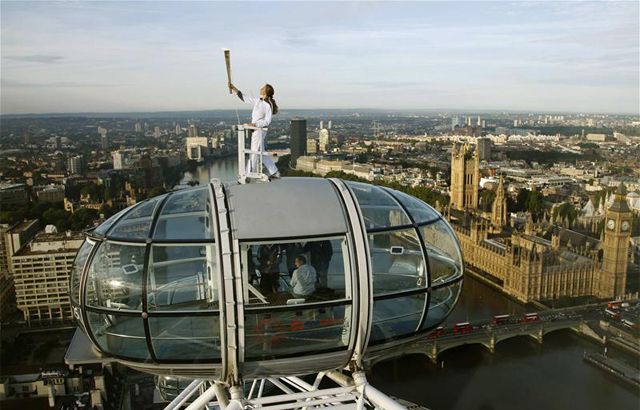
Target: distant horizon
(244, 112)
(70, 57)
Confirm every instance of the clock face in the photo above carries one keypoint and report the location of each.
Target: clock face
(625, 225)
(611, 224)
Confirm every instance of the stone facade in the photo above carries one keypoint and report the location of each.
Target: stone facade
(538, 261)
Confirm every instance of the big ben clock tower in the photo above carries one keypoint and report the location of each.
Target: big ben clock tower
(617, 231)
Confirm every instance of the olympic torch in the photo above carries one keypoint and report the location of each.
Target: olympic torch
(227, 60)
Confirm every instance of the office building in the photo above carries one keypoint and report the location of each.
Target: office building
(75, 165)
(484, 149)
(192, 131)
(298, 142)
(41, 276)
(156, 132)
(13, 194)
(198, 148)
(121, 159)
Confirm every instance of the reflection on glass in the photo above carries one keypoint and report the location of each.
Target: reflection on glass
(420, 211)
(186, 215)
(104, 227)
(182, 277)
(307, 271)
(378, 207)
(137, 222)
(76, 271)
(396, 317)
(441, 304)
(397, 261)
(114, 279)
(444, 258)
(185, 338)
(296, 332)
(119, 335)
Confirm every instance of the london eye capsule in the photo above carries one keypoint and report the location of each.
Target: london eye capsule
(294, 276)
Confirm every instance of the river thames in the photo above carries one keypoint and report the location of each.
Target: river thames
(521, 374)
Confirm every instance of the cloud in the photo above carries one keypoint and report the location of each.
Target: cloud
(35, 58)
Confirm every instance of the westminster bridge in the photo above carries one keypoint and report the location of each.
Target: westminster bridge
(585, 320)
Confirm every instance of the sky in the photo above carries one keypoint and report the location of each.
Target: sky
(163, 56)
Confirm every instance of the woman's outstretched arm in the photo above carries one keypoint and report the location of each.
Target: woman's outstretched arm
(245, 98)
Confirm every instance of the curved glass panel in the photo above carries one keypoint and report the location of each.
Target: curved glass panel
(76, 271)
(420, 211)
(378, 207)
(104, 227)
(397, 261)
(182, 278)
(292, 332)
(137, 222)
(186, 215)
(185, 338)
(441, 304)
(119, 335)
(445, 262)
(304, 271)
(396, 317)
(114, 279)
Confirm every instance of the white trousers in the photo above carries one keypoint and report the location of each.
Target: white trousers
(257, 144)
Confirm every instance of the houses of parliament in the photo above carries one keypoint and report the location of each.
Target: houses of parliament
(536, 261)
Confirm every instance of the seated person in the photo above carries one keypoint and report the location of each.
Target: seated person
(303, 280)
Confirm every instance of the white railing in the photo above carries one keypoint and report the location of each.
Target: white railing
(244, 134)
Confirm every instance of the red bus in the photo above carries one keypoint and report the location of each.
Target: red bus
(437, 332)
(615, 304)
(500, 319)
(613, 315)
(530, 317)
(464, 327)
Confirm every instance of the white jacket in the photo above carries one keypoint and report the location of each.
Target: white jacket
(261, 114)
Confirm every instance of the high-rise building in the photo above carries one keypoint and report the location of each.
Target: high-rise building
(324, 139)
(12, 239)
(120, 159)
(192, 131)
(58, 143)
(178, 129)
(465, 177)
(479, 123)
(156, 132)
(41, 275)
(298, 141)
(329, 125)
(484, 149)
(75, 165)
(321, 124)
(104, 139)
(137, 127)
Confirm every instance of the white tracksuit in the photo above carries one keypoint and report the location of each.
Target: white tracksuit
(261, 117)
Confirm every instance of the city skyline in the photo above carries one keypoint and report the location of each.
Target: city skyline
(123, 57)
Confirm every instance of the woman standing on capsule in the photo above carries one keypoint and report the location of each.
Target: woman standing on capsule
(263, 109)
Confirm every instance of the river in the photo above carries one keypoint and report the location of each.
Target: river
(521, 374)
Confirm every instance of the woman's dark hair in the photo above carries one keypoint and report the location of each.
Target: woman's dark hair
(268, 89)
